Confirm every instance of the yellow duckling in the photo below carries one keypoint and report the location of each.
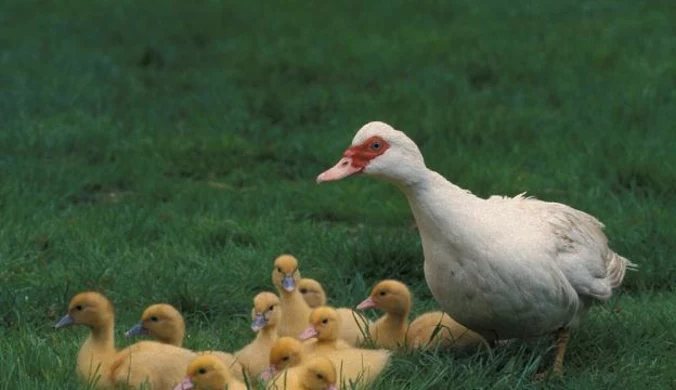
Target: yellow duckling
(100, 363)
(354, 366)
(285, 353)
(324, 328)
(166, 324)
(394, 298)
(295, 311)
(265, 315)
(208, 372)
(450, 333)
(316, 374)
(354, 325)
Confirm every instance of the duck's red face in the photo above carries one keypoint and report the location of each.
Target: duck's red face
(355, 159)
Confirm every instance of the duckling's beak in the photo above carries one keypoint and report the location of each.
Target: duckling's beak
(342, 169)
(269, 373)
(65, 321)
(367, 304)
(289, 283)
(186, 384)
(308, 333)
(258, 322)
(136, 330)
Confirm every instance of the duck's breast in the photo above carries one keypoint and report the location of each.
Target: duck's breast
(494, 272)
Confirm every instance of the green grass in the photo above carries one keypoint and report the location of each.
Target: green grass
(160, 151)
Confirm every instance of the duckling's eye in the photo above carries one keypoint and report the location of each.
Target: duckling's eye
(202, 371)
(154, 319)
(375, 145)
(320, 376)
(325, 321)
(303, 290)
(383, 293)
(279, 270)
(78, 307)
(271, 308)
(285, 358)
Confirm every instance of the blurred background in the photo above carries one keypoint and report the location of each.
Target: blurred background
(167, 151)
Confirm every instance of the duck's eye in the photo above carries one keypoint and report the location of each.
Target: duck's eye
(202, 371)
(285, 358)
(78, 307)
(325, 321)
(375, 145)
(271, 308)
(303, 290)
(320, 377)
(383, 293)
(279, 270)
(154, 319)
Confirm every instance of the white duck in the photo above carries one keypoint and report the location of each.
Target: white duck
(503, 267)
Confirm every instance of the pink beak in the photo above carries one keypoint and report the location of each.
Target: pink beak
(367, 304)
(186, 384)
(308, 333)
(269, 373)
(341, 170)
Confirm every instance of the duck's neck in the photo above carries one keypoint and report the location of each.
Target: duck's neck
(102, 338)
(176, 338)
(439, 206)
(96, 353)
(395, 321)
(293, 300)
(268, 333)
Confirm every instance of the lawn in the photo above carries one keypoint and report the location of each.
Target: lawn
(167, 151)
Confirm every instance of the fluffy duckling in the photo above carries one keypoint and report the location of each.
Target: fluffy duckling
(355, 366)
(354, 325)
(162, 322)
(450, 333)
(324, 329)
(285, 353)
(295, 311)
(166, 324)
(97, 353)
(100, 363)
(394, 298)
(265, 317)
(208, 372)
(313, 292)
(317, 373)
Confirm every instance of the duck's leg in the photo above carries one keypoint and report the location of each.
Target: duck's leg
(562, 337)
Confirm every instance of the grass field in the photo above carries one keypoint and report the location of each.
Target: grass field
(167, 151)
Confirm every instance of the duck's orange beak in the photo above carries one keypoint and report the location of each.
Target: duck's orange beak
(342, 169)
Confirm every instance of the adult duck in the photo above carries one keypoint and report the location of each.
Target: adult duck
(504, 267)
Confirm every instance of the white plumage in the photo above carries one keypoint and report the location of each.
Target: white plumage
(504, 267)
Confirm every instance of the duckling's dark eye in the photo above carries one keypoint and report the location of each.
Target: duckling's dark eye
(202, 371)
(325, 321)
(154, 319)
(375, 145)
(383, 293)
(78, 307)
(285, 358)
(303, 290)
(271, 308)
(320, 376)
(279, 270)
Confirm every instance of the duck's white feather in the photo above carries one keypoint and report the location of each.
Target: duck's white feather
(504, 267)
